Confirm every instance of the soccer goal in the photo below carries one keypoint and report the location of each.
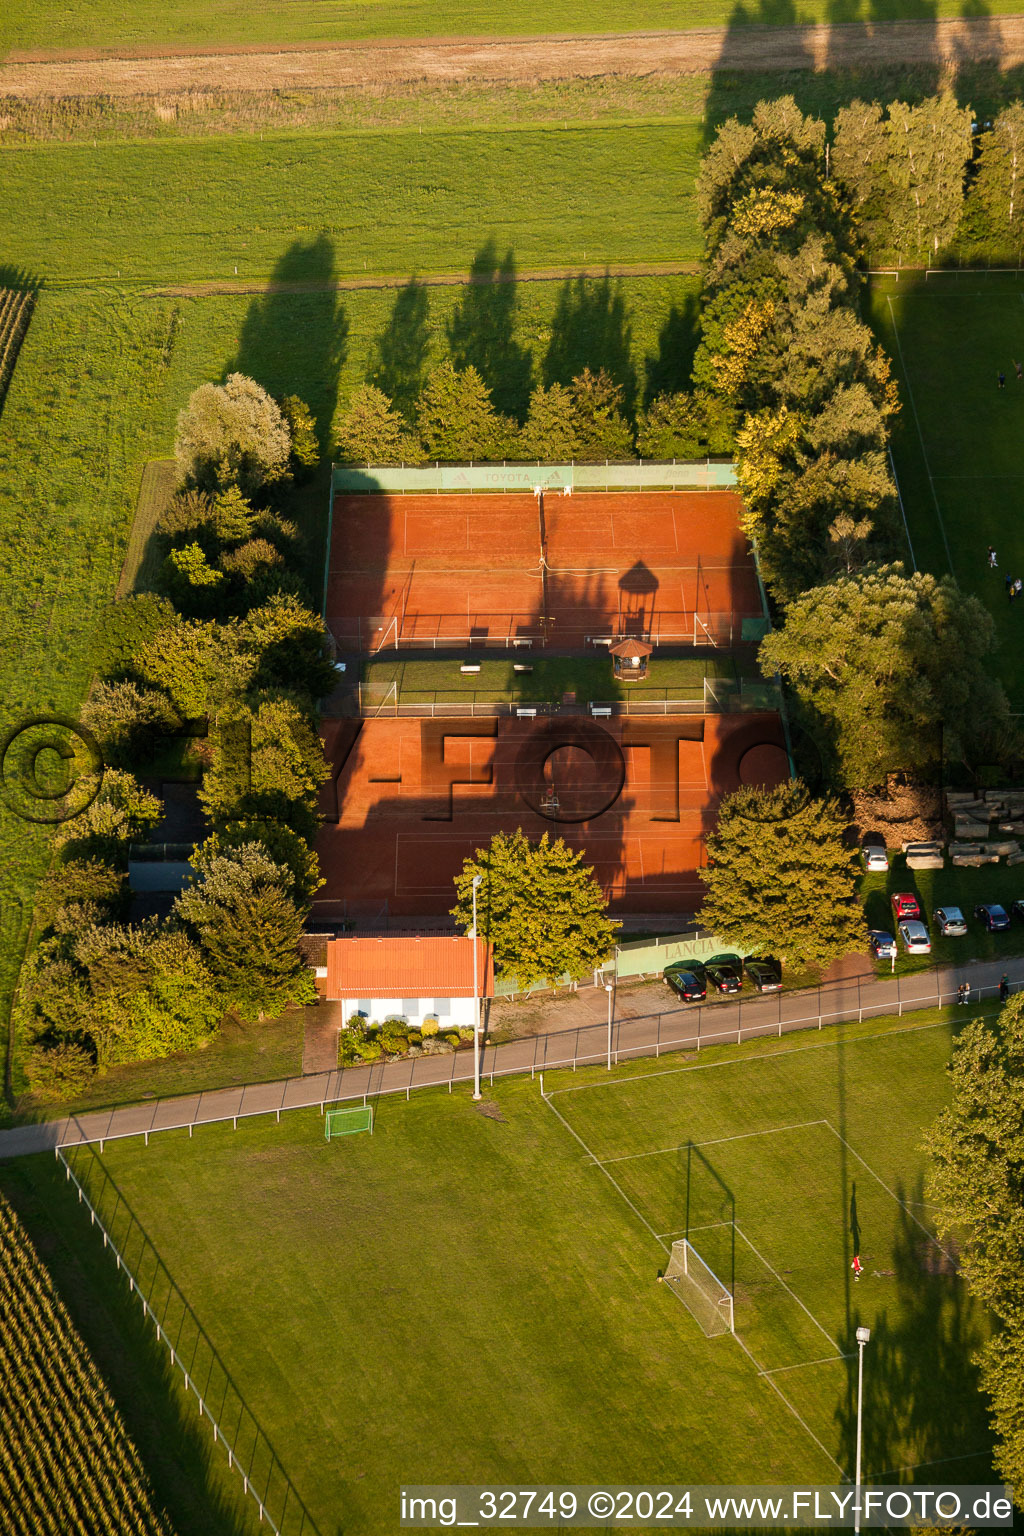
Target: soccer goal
(348, 1122)
(699, 1289)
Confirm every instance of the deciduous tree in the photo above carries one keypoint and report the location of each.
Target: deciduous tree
(232, 434)
(779, 879)
(539, 905)
(881, 662)
(248, 923)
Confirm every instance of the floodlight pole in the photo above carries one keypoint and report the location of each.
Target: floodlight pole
(477, 879)
(610, 989)
(863, 1335)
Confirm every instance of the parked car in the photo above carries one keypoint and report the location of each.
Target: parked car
(765, 974)
(688, 979)
(882, 944)
(950, 922)
(992, 916)
(873, 852)
(725, 972)
(915, 937)
(906, 904)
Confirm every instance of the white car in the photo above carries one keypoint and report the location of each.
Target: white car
(915, 938)
(876, 859)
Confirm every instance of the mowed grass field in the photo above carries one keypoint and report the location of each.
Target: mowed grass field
(958, 446)
(186, 212)
(48, 24)
(469, 1297)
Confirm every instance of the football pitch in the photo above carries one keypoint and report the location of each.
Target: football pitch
(472, 1296)
(958, 442)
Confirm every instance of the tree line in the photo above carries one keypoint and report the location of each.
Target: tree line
(98, 989)
(879, 661)
(454, 419)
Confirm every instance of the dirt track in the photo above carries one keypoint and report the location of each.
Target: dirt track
(524, 60)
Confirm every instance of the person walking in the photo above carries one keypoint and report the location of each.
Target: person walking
(1008, 583)
(1002, 379)
(857, 1267)
(1004, 988)
(963, 993)
(992, 560)
(1020, 372)
(1018, 587)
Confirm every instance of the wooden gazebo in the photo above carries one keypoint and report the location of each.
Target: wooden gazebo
(630, 659)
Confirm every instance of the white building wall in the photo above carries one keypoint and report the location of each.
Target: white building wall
(450, 1012)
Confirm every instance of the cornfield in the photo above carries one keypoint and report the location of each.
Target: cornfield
(67, 1466)
(15, 313)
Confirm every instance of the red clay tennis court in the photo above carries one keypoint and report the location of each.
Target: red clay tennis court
(412, 798)
(558, 570)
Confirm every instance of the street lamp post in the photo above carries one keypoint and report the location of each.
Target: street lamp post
(609, 988)
(863, 1335)
(477, 880)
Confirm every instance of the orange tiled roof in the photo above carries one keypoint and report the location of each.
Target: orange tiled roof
(397, 966)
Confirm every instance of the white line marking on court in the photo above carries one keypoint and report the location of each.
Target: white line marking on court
(802, 1365)
(706, 1226)
(748, 1352)
(893, 1194)
(785, 1400)
(739, 1061)
(773, 1130)
(942, 1461)
(920, 436)
(785, 1287)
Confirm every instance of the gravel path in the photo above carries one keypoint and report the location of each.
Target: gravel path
(435, 61)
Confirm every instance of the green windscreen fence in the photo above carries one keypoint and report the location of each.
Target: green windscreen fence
(701, 475)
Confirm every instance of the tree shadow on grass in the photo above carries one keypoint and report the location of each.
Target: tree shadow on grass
(921, 1397)
(400, 351)
(591, 329)
(668, 371)
(481, 331)
(295, 335)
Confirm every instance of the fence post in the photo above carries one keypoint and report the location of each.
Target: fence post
(819, 1007)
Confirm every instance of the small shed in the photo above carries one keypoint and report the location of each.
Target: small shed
(629, 658)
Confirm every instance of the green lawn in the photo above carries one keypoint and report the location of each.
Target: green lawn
(391, 202)
(469, 1298)
(958, 443)
(589, 677)
(46, 24)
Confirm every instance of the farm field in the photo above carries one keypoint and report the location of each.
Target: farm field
(185, 213)
(46, 25)
(957, 444)
(486, 1269)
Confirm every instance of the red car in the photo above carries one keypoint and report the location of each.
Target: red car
(904, 905)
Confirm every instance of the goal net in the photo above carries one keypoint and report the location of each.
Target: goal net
(699, 1289)
(347, 1122)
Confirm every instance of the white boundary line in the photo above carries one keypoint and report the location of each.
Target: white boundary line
(899, 498)
(740, 1061)
(892, 1194)
(732, 1334)
(772, 1130)
(920, 436)
(772, 1270)
(802, 1365)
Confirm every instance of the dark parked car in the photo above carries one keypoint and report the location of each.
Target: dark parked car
(725, 972)
(765, 974)
(1017, 910)
(687, 977)
(992, 916)
(883, 945)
